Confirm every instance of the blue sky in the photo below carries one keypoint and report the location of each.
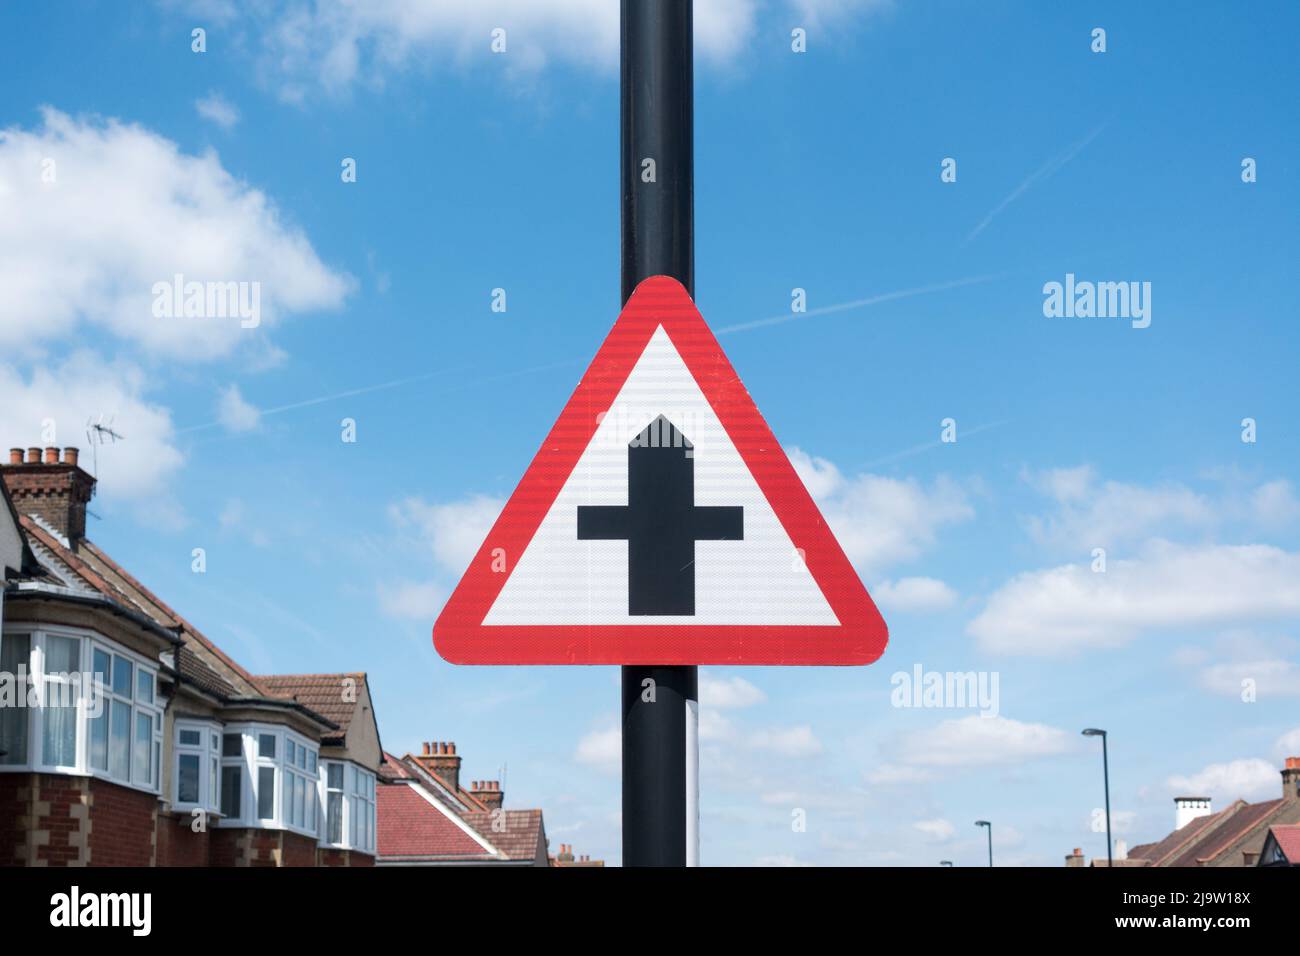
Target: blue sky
(819, 171)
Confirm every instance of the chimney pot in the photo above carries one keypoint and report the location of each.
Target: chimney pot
(70, 456)
(51, 455)
(15, 456)
(33, 456)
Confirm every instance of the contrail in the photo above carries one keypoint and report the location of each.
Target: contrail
(1042, 173)
(728, 330)
(856, 304)
(926, 446)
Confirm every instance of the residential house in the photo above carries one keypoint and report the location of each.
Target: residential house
(1238, 835)
(1281, 846)
(426, 818)
(136, 740)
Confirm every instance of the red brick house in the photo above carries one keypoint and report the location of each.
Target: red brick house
(427, 819)
(128, 737)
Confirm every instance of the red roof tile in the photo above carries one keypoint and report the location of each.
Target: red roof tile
(1288, 840)
(410, 826)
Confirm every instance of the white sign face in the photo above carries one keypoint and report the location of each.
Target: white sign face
(747, 571)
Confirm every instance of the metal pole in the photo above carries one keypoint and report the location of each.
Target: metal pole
(660, 704)
(1105, 773)
(990, 828)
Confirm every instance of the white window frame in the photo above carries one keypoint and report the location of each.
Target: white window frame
(357, 826)
(284, 773)
(208, 750)
(88, 643)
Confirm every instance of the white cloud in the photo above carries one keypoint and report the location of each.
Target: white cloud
(914, 594)
(454, 531)
(217, 109)
(418, 600)
(1070, 608)
(787, 742)
(880, 521)
(332, 47)
(976, 741)
(836, 11)
(235, 414)
(1250, 779)
(1092, 515)
(1275, 504)
(602, 749)
(127, 209)
(728, 693)
(1274, 677)
(138, 468)
(938, 829)
(1288, 745)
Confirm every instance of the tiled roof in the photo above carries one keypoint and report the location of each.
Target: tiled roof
(1288, 841)
(392, 768)
(521, 836)
(1160, 851)
(323, 693)
(193, 669)
(1232, 829)
(409, 826)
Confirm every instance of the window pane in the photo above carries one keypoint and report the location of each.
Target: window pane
(122, 677)
(232, 745)
(334, 817)
(62, 655)
(266, 745)
(99, 739)
(119, 741)
(15, 652)
(187, 776)
(214, 778)
(356, 819)
(142, 761)
(215, 743)
(99, 666)
(60, 727)
(266, 793)
(289, 746)
(190, 738)
(144, 686)
(335, 774)
(311, 761)
(231, 787)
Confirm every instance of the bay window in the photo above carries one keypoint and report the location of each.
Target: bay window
(92, 707)
(197, 775)
(349, 806)
(268, 778)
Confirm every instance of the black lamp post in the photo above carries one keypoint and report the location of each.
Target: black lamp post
(945, 862)
(1105, 772)
(985, 823)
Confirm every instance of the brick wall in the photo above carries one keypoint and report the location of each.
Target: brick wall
(224, 847)
(123, 825)
(15, 808)
(179, 845)
(297, 850)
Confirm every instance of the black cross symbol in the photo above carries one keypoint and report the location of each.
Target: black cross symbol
(660, 522)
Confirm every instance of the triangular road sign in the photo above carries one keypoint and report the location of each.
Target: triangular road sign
(660, 523)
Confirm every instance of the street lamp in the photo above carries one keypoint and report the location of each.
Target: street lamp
(945, 862)
(985, 823)
(1105, 771)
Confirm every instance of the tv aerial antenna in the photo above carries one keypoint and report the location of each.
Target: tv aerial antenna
(99, 432)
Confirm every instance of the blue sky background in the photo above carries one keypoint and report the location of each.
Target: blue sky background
(818, 171)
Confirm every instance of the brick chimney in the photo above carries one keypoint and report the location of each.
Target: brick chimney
(489, 793)
(1291, 779)
(439, 757)
(54, 490)
(566, 853)
(1075, 858)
